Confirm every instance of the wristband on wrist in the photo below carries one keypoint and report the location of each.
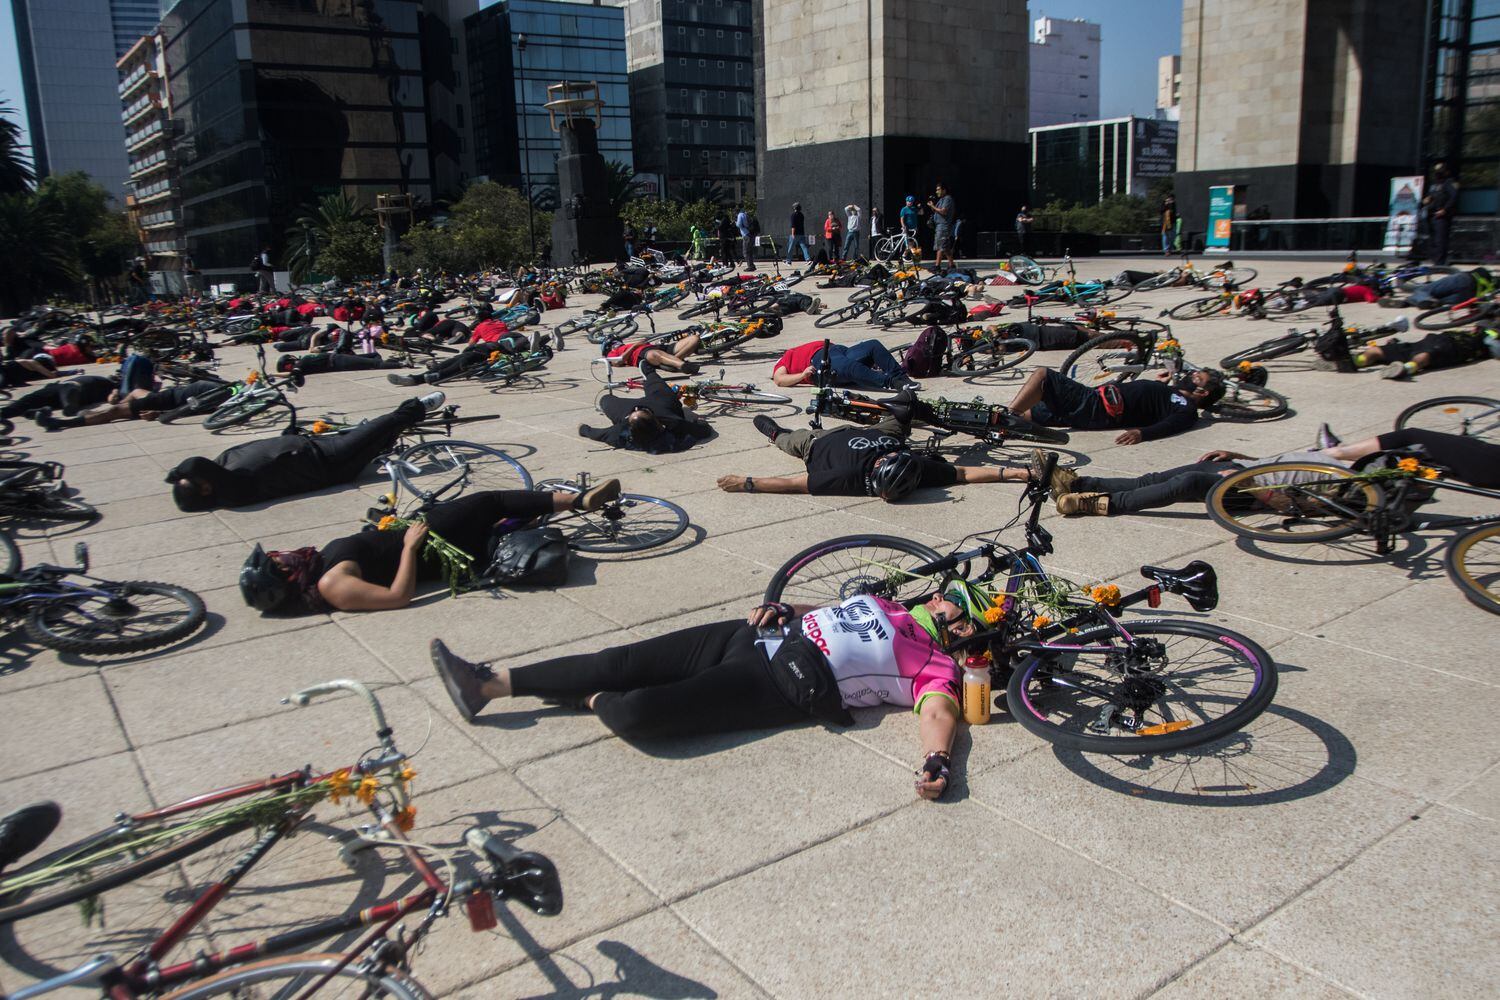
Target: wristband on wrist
(749, 484)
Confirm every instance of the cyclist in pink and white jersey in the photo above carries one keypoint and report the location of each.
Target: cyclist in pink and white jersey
(778, 666)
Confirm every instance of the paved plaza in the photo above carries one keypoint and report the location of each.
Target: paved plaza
(1346, 844)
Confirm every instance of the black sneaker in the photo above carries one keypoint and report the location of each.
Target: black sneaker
(400, 379)
(24, 830)
(770, 428)
(462, 679)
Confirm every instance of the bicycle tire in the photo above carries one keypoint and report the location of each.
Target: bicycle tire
(1246, 402)
(1425, 275)
(432, 468)
(298, 972)
(1106, 296)
(1447, 317)
(990, 356)
(1267, 350)
(699, 309)
(1202, 308)
(653, 522)
(46, 506)
(1232, 505)
(45, 621)
(1163, 280)
(1487, 427)
(10, 555)
(717, 342)
(834, 317)
(743, 396)
(571, 326)
(1464, 566)
(238, 410)
(1238, 276)
(1035, 702)
(827, 573)
(19, 904)
(1026, 269)
(864, 293)
(1103, 348)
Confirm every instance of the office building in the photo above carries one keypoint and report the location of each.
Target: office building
(692, 96)
(1307, 107)
(132, 20)
(1168, 87)
(920, 92)
(1086, 163)
(279, 104)
(1064, 71)
(152, 197)
(67, 51)
(1460, 114)
(446, 76)
(577, 42)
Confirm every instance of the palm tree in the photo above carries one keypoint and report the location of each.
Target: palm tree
(36, 253)
(15, 172)
(309, 233)
(622, 185)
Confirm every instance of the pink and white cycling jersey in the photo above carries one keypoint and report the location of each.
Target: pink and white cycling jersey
(879, 654)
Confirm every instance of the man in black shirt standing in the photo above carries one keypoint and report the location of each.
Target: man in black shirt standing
(1442, 203)
(797, 234)
(855, 462)
(1146, 410)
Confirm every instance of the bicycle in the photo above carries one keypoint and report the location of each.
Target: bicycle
(102, 617)
(1074, 672)
(901, 245)
(1466, 416)
(1305, 502)
(1187, 274)
(991, 423)
(1297, 341)
(265, 812)
(1470, 312)
(255, 395)
(36, 491)
(733, 395)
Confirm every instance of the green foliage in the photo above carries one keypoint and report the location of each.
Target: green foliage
(486, 228)
(15, 171)
(36, 254)
(310, 236)
(1120, 213)
(622, 185)
(107, 249)
(672, 218)
(351, 248)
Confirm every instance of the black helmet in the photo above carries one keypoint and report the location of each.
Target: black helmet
(896, 475)
(262, 583)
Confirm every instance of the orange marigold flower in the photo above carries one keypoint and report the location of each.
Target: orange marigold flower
(339, 785)
(1429, 473)
(407, 771)
(1109, 594)
(321, 427)
(406, 818)
(1041, 621)
(387, 523)
(1245, 366)
(368, 786)
(1408, 465)
(994, 615)
(252, 378)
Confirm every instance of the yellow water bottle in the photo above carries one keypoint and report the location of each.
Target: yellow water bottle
(976, 697)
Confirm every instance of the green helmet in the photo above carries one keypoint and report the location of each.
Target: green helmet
(972, 601)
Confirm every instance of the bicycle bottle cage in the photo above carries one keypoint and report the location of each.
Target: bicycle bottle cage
(1196, 581)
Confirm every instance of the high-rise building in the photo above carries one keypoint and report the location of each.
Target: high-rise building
(446, 79)
(692, 96)
(67, 51)
(146, 109)
(1168, 86)
(564, 41)
(132, 20)
(1461, 100)
(279, 104)
(866, 101)
(1307, 107)
(1085, 163)
(1064, 71)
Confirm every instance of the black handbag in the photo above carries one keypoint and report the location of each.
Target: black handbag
(533, 556)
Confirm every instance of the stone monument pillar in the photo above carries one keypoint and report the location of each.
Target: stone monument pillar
(584, 224)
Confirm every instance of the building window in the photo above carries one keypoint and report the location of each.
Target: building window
(720, 64)
(687, 154)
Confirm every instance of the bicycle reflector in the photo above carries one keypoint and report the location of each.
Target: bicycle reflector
(1153, 596)
(480, 908)
(1163, 728)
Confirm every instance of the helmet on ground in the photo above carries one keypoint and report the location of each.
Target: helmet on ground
(263, 584)
(896, 474)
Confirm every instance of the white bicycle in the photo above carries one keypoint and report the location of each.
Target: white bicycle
(900, 244)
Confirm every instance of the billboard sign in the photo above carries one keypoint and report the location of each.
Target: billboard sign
(1220, 216)
(1401, 224)
(1154, 149)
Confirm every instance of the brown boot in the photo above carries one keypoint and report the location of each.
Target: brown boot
(1062, 479)
(1085, 504)
(597, 496)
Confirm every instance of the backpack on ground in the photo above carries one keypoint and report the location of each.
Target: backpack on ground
(924, 358)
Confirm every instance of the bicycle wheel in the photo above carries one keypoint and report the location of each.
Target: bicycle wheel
(1108, 356)
(1194, 683)
(1162, 280)
(10, 556)
(1028, 271)
(840, 568)
(1447, 317)
(1243, 401)
(1425, 275)
(291, 975)
(1468, 416)
(45, 506)
(1266, 350)
(444, 469)
(834, 317)
(106, 860)
(240, 409)
(699, 309)
(1202, 308)
(717, 342)
(110, 618)
(632, 523)
(569, 326)
(742, 396)
(1239, 276)
(1473, 563)
(989, 356)
(157, 343)
(1293, 502)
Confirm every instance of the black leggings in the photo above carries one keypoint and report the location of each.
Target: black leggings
(346, 455)
(86, 390)
(447, 330)
(174, 397)
(701, 680)
(1130, 495)
(316, 364)
(1475, 462)
(469, 521)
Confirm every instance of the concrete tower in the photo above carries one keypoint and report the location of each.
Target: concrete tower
(1064, 71)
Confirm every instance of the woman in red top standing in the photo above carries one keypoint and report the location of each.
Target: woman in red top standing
(831, 232)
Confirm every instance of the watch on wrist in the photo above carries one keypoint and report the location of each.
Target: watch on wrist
(749, 484)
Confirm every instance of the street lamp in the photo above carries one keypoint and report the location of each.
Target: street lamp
(525, 145)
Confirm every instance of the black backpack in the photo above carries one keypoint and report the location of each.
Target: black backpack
(536, 557)
(924, 358)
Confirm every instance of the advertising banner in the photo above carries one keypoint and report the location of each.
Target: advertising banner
(1401, 226)
(1220, 217)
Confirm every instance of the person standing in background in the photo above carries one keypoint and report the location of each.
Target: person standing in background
(853, 224)
(944, 215)
(1442, 203)
(797, 234)
(831, 232)
(1168, 224)
(877, 226)
(1024, 219)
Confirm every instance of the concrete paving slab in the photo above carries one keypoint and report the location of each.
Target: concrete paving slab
(62, 723)
(1251, 972)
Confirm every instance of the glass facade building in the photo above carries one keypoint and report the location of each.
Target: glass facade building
(1462, 126)
(131, 20)
(564, 42)
(277, 103)
(1085, 163)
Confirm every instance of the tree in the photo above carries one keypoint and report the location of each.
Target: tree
(314, 228)
(488, 227)
(351, 248)
(622, 185)
(673, 219)
(429, 248)
(36, 254)
(1119, 213)
(16, 175)
(101, 241)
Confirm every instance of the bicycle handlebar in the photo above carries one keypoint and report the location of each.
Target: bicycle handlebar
(302, 698)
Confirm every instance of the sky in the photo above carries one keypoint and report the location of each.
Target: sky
(1134, 34)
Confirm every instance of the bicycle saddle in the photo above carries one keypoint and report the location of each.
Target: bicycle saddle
(1196, 581)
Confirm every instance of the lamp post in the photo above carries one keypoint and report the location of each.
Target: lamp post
(525, 145)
